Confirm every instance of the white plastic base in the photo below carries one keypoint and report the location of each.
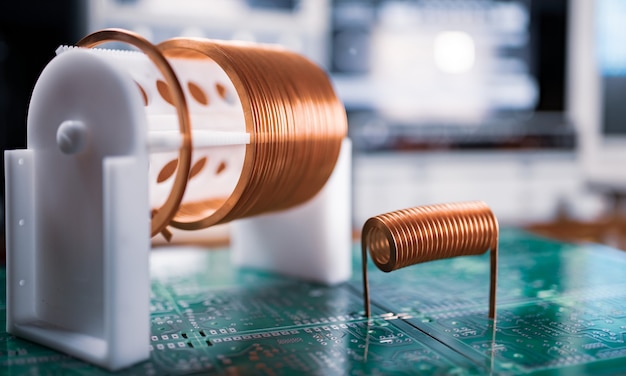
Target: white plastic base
(78, 232)
(312, 241)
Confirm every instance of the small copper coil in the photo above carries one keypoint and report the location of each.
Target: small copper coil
(295, 120)
(425, 233)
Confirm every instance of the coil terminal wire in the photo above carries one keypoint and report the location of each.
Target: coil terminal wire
(425, 233)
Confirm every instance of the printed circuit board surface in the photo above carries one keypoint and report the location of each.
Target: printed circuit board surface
(561, 309)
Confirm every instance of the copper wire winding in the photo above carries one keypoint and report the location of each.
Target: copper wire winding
(425, 233)
(295, 121)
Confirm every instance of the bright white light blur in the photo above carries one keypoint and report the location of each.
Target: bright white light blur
(454, 52)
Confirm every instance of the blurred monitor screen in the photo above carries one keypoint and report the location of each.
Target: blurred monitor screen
(471, 72)
(611, 60)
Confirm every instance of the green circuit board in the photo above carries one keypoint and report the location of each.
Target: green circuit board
(561, 309)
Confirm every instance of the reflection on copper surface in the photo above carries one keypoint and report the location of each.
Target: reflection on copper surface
(201, 208)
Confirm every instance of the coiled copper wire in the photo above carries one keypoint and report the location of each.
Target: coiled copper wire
(295, 120)
(424, 233)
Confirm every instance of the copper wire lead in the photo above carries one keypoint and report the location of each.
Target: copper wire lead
(425, 233)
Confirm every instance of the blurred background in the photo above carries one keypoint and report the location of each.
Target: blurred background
(514, 102)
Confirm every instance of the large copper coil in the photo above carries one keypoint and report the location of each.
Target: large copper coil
(295, 120)
(292, 115)
(425, 233)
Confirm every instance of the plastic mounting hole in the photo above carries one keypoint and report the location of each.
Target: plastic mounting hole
(224, 93)
(167, 171)
(197, 167)
(164, 91)
(21, 222)
(20, 161)
(220, 168)
(197, 93)
(22, 282)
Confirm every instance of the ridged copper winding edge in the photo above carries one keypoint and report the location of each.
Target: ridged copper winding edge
(410, 236)
(167, 211)
(268, 175)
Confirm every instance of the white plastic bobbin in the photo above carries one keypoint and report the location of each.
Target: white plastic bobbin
(78, 231)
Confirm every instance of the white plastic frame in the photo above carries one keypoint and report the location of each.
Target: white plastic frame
(78, 235)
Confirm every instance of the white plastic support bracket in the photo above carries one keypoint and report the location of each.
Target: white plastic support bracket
(312, 241)
(77, 216)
